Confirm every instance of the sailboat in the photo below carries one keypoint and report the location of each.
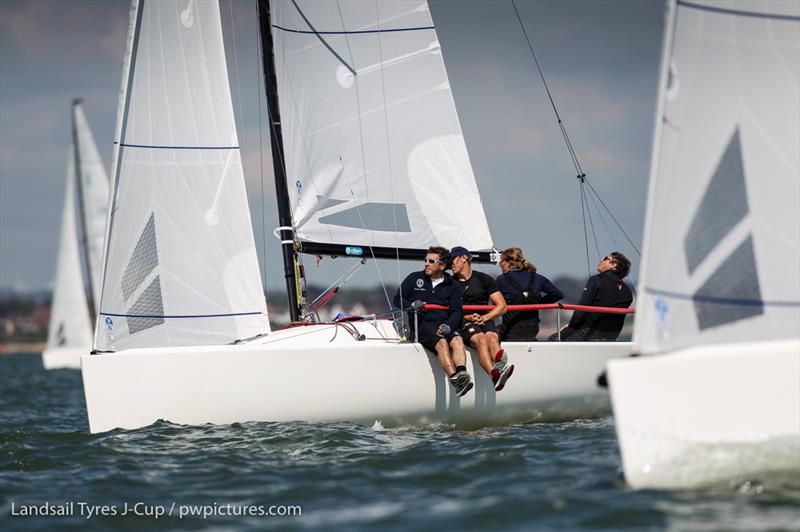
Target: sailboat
(370, 162)
(717, 396)
(75, 295)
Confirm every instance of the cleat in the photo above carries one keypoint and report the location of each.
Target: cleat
(502, 377)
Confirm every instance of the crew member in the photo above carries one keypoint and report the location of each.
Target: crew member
(478, 328)
(438, 329)
(520, 284)
(606, 289)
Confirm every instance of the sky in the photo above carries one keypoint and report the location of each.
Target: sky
(600, 59)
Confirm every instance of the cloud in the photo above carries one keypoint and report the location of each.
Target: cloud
(63, 30)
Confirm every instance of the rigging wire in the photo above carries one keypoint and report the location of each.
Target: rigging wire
(585, 234)
(561, 125)
(603, 219)
(619, 226)
(581, 175)
(591, 225)
(388, 150)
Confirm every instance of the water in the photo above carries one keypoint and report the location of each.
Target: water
(344, 476)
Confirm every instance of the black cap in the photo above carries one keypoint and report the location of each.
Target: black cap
(460, 251)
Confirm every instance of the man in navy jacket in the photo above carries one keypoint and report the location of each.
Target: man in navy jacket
(438, 329)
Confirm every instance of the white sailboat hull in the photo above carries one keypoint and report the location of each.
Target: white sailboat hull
(63, 357)
(319, 373)
(707, 414)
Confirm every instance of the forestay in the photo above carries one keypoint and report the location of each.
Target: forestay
(94, 188)
(181, 266)
(70, 325)
(722, 242)
(374, 150)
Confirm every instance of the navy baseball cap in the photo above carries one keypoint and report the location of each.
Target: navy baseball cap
(460, 251)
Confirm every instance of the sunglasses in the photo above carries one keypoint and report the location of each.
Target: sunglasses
(433, 261)
(609, 259)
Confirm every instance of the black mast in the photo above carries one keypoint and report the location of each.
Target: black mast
(82, 212)
(276, 138)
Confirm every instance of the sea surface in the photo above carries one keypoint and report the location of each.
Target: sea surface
(340, 475)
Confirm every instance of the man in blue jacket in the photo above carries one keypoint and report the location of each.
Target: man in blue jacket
(438, 329)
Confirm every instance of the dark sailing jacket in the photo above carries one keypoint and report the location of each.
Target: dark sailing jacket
(606, 289)
(539, 288)
(418, 286)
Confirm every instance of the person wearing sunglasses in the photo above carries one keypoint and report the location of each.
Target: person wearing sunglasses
(438, 329)
(478, 328)
(606, 289)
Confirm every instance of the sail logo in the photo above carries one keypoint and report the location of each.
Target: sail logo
(354, 251)
(731, 292)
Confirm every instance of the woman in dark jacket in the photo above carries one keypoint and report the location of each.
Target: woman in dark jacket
(521, 285)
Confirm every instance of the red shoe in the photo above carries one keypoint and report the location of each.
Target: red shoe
(500, 360)
(499, 378)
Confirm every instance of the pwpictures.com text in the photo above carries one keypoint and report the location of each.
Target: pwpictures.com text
(142, 509)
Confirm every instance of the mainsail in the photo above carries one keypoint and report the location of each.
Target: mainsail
(374, 154)
(83, 220)
(93, 187)
(180, 263)
(722, 235)
(70, 325)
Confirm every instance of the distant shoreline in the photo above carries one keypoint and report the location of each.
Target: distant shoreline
(32, 348)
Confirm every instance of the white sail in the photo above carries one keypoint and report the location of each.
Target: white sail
(180, 264)
(94, 188)
(70, 325)
(722, 236)
(373, 146)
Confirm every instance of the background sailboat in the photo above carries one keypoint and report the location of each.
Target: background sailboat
(720, 288)
(182, 306)
(76, 289)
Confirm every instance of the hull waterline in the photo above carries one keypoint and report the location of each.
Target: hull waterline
(322, 373)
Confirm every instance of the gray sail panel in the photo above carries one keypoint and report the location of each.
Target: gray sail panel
(374, 216)
(143, 260)
(148, 310)
(724, 205)
(732, 293)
